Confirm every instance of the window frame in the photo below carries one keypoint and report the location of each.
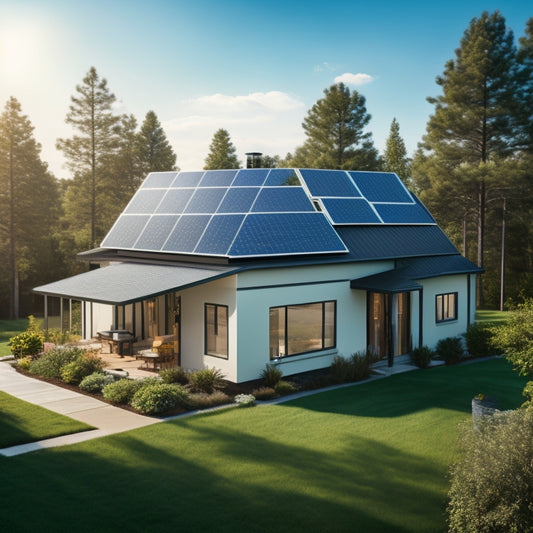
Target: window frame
(206, 329)
(285, 312)
(441, 304)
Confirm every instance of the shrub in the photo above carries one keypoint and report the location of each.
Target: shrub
(121, 391)
(50, 364)
(207, 380)
(285, 387)
(421, 356)
(528, 393)
(202, 400)
(81, 367)
(174, 375)
(159, 397)
(341, 370)
(361, 363)
(271, 375)
(478, 339)
(492, 485)
(245, 400)
(56, 336)
(24, 363)
(94, 383)
(26, 343)
(264, 393)
(450, 350)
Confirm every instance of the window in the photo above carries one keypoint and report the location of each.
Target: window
(446, 307)
(296, 329)
(216, 330)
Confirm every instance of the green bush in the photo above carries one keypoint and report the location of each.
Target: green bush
(26, 343)
(285, 387)
(24, 363)
(341, 370)
(271, 375)
(159, 397)
(174, 375)
(202, 400)
(528, 393)
(121, 391)
(81, 367)
(94, 383)
(491, 486)
(450, 350)
(422, 356)
(56, 336)
(50, 364)
(478, 339)
(207, 380)
(356, 368)
(264, 393)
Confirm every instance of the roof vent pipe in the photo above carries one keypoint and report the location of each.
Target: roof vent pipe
(253, 159)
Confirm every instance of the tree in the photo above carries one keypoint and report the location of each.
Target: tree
(395, 158)
(29, 201)
(221, 152)
(155, 152)
(471, 132)
(87, 152)
(335, 133)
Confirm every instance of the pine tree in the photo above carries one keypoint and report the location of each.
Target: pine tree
(155, 152)
(395, 158)
(472, 127)
(29, 205)
(89, 150)
(335, 133)
(221, 152)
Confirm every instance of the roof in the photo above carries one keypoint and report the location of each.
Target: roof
(125, 283)
(258, 213)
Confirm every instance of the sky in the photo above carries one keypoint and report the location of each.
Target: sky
(253, 68)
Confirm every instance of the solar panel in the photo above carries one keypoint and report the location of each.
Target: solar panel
(381, 187)
(145, 201)
(187, 179)
(282, 199)
(125, 231)
(186, 233)
(403, 214)
(350, 211)
(238, 200)
(252, 177)
(217, 178)
(282, 176)
(205, 200)
(219, 234)
(334, 183)
(156, 232)
(157, 180)
(285, 234)
(174, 201)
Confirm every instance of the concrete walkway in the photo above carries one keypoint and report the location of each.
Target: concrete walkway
(106, 418)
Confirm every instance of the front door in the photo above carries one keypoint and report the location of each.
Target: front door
(389, 324)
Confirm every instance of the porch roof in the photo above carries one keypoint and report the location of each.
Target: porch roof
(390, 281)
(125, 283)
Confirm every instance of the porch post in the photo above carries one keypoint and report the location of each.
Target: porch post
(61, 317)
(420, 318)
(45, 311)
(390, 334)
(83, 325)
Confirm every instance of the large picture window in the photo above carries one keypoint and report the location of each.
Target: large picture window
(216, 330)
(446, 307)
(296, 329)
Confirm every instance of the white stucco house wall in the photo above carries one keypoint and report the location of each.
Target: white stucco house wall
(283, 266)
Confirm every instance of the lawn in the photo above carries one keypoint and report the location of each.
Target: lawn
(22, 422)
(369, 458)
(491, 315)
(8, 329)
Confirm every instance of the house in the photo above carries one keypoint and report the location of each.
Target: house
(284, 266)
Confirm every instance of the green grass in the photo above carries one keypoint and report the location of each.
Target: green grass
(368, 458)
(490, 315)
(8, 329)
(22, 422)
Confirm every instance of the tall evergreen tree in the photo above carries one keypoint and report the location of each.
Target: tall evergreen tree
(222, 152)
(88, 151)
(395, 158)
(155, 152)
(472, 127)
(335, 133)
(28, 207)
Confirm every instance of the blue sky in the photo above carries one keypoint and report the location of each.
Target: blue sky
(254, 68)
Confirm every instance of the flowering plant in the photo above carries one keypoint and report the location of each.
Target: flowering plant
(245, 400)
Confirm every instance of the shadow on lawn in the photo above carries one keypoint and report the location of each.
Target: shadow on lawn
(199, 475)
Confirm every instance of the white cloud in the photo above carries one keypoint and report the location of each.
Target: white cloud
(354, 79)
(326, 66)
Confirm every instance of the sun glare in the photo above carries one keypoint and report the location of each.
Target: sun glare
(19, 51)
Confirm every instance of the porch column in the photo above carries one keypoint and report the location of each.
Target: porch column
(45, 323)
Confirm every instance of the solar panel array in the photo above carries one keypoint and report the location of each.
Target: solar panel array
(259, 212)
(230, 213)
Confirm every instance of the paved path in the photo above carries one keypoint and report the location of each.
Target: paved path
(106, 418)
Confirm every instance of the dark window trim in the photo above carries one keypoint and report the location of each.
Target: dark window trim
(323, 302)
(443, 295)
(216, 306)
